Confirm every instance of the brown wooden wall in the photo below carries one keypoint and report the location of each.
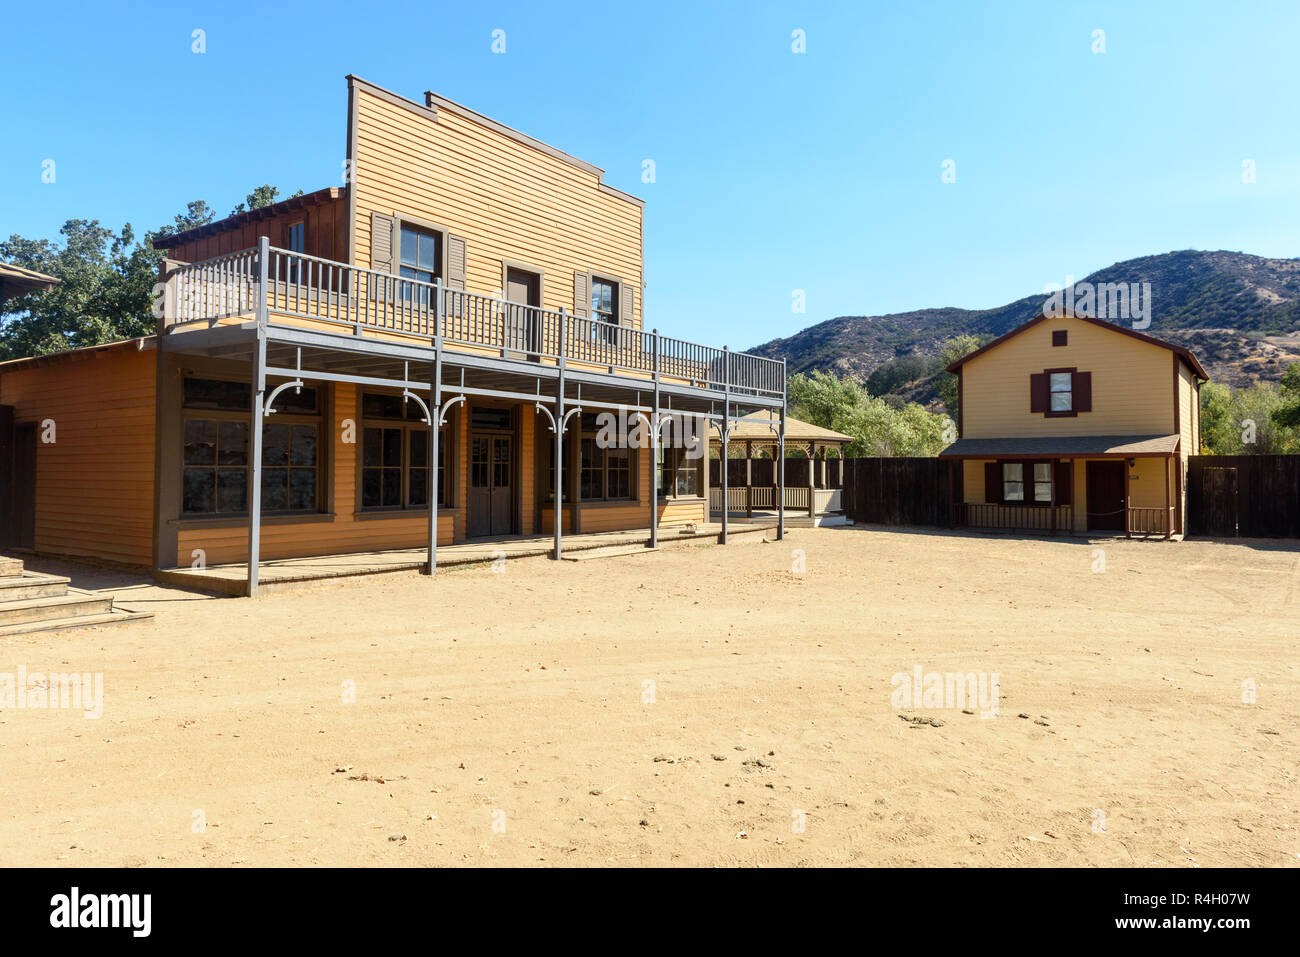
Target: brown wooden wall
(326, 234)
(94, 482)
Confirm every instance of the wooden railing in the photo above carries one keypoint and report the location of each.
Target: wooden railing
(1042, 518)
(763, 497)
(363, 300)
(1149, 521)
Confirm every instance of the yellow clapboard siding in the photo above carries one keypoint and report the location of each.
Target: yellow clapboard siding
(508, 199)
(1132, 384)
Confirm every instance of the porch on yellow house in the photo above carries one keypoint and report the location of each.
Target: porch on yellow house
(1117, 484)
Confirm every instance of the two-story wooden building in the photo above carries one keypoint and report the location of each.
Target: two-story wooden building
(419, 356)
(1075, 424)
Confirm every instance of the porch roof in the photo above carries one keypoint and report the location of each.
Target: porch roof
(759, 427)
(1063, 446)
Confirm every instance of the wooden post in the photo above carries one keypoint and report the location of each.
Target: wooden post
(1169, 520)
(1128, 521)
(749, 479)
(812, 481)
(1051, 481)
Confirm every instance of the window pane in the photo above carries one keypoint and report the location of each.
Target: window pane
(392, 448)
(275, 445)
(199, 493)
(371, 443)
(275, 489)
(217, 394)
(419, 448)
(410, 246)
(1012, 472)
(303, 446)
(1042, 471)
(1062, 402)
(200, 442)
(1061, 381)
(299, 401)
(302, 489)
(418, 483)
(1042, 491)
(232, 443)
(1013, 491)
(428, 252)
(392, 487)
(371, 487)
(232, 485)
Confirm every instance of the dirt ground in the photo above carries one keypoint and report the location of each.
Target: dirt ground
(697, 706)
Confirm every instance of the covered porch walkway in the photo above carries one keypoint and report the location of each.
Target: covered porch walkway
(232, 579)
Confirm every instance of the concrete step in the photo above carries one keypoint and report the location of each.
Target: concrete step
(72, 605)
(115, 617)
(10, 567)
(31, 585)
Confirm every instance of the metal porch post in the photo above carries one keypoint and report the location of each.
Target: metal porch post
(654, 449)
(258, 407)
(435, 421)
(559, 431)
(726, 433)
(780, 462)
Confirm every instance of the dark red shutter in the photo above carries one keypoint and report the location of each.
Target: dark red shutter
(992, 482)
(1081, 384)
(1064, 472)
(1038, 392)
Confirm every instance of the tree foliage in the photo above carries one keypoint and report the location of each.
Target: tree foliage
(105, 292)
(1249, 421)
(878, 428)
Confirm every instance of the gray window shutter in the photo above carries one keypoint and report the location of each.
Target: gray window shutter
(626, 302)
(455, 262)
(382, 244)
(581, 294)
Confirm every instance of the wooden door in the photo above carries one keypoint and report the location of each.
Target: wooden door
(491, 505)
(24, 487)
(523, 289)
(1106, 506)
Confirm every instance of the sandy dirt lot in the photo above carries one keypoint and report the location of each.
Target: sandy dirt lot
(501, 718)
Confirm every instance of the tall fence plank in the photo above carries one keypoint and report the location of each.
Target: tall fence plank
(1254, 496)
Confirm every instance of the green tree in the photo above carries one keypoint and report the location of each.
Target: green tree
(1287, 415)
(879, 427)
(261, 197)
(1247, 421)
(956, 348)
(104, 293)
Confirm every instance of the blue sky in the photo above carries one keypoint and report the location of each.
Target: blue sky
(775, 171)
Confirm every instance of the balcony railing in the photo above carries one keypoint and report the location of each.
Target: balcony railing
(362, 301)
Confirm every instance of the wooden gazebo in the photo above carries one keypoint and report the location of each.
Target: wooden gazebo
(755, 489)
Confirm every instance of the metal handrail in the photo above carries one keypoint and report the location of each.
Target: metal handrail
(364, 299)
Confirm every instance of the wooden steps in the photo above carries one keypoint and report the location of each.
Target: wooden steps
(32, 602)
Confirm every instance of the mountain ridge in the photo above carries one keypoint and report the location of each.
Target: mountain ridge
(1238, 312)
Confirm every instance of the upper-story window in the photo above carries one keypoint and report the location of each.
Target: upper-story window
(421, 254)
(1062, 391)
(297, 237)
(604, 300)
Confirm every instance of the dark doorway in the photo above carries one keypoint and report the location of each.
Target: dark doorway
(523, 289)
(23, 526)
(1106, 506)
(491, 505)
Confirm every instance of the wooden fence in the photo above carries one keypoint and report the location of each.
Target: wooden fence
(1255, 496)
(896, 491)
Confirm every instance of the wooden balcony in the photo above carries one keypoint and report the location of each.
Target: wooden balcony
(280, 287)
